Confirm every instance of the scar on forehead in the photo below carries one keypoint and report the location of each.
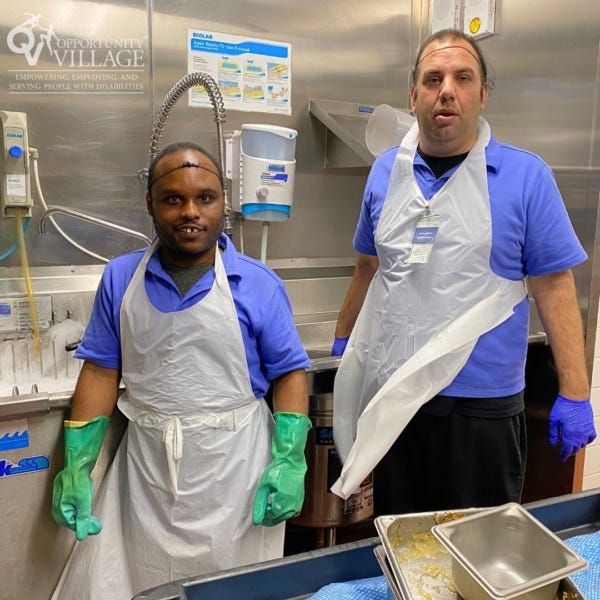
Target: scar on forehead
(446, 48)
(185, 165)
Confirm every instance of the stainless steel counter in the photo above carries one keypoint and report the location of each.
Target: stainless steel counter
(300, 576)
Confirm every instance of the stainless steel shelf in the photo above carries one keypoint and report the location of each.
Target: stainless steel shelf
(346, 124)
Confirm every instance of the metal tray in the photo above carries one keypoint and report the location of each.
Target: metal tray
(421, 565)
(418, 567)
(379, 552)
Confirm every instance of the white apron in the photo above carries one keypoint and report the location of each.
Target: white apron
(177, 501)
(419, 322)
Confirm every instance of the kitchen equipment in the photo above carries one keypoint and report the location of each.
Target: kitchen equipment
(505, 553)
(267, 168)
(381, 557)
(420, 564)
(322, 508)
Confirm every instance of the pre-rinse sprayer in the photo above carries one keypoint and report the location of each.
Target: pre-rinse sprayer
(218, 106)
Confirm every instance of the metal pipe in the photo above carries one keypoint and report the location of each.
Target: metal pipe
(33, 152)
(214, 94)
(85, 217)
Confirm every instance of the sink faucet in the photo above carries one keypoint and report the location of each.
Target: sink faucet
(89, 218)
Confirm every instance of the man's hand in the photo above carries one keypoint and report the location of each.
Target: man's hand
(280, 492)
(571, 423)
(73, 488)
(339, 345)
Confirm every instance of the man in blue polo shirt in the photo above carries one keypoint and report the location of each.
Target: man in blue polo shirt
(429, 392)
(202, 480)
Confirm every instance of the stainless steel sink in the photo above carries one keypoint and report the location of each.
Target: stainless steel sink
(321, 360)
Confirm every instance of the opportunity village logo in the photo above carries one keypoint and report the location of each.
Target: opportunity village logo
(80, 64)
(30, 38)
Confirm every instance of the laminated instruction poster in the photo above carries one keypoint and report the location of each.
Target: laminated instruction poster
(252, 74)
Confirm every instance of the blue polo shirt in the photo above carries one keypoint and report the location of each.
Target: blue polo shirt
(531, 235)
(271, 340)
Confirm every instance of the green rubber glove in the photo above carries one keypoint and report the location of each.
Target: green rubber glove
(280, 492)
(73, 488)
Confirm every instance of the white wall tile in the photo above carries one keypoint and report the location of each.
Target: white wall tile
(596, 370)
(591, 482)
(592, 459)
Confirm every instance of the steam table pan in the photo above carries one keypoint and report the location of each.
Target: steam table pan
(420, 563)
(418, 567)
(505, 553)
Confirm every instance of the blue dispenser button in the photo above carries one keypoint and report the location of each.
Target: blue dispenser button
(15, 151)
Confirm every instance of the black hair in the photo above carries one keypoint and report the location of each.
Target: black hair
(453, 34)
(176, 147)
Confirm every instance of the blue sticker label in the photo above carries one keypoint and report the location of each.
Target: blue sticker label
(282, 177)
(4, 309)
(25, 465)
(233, 49)
(14, 441)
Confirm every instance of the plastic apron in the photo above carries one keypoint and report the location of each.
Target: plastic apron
(419, 322)
(177, 501)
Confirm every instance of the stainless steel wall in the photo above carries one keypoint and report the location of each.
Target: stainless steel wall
(92, 146)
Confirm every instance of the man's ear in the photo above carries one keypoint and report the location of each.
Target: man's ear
(485, 90)
(412, 96)
(148, 204)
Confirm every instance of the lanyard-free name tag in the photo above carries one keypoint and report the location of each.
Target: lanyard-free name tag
(423, 239)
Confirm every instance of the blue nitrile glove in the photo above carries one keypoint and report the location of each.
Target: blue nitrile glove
(571, 422)
(339, 345)
(280, 492)
(73, 488)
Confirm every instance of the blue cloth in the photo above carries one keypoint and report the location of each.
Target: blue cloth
(270, 337)
(588, 580)
(531, 235)
(372, 588)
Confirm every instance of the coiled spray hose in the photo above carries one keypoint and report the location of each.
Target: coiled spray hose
(216, 100)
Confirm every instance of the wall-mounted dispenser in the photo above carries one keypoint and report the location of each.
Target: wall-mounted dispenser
(15, 191)
(267, 167)
(260, 165)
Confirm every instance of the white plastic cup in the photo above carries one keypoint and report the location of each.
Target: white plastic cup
(386, 127)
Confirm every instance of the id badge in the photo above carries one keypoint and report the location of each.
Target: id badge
(423, 239)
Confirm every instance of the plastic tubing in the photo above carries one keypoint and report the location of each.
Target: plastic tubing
(15, 246)
(263, 242)
(32, 307)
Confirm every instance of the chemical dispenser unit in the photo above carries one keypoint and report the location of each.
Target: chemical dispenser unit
(15, 192)
(267, 168)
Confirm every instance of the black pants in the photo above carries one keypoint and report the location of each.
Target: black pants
(452, 461)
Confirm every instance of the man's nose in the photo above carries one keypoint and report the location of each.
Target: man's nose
(190, 207)
(447, 90)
